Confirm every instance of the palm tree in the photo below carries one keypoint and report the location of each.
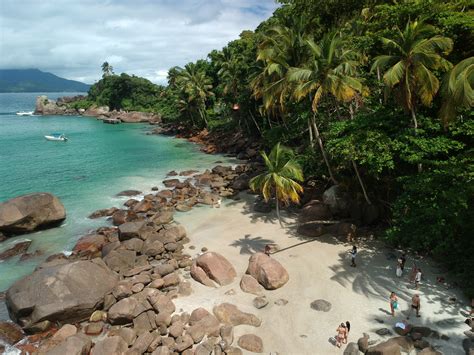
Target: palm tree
(195, 85)
(414, 54)
(457, 89)
(281, 48)
(107, 69)
(280, 178)
(330, 70)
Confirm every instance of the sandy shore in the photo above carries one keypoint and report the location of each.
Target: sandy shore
(318, 269)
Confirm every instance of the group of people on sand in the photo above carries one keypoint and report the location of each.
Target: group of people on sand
(342, 333)
(415, 304)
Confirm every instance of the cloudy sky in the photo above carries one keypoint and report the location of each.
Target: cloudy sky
(72, 38)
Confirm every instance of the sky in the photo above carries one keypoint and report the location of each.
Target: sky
(72, 38)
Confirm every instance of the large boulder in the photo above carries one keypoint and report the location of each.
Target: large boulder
(68, 292)
(215, 266)
(10, 333)
(315, 211)
(16, 249)
(28, 213)
(267, 271)
(312, 229)
(229, 314)
(251, 342)
(338, 200)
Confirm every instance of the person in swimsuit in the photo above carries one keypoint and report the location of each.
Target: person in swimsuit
(415, 305)
(348, 329)
(393, 303)
(341, 335)
(417, 279)
(353, 256)
(403, 259)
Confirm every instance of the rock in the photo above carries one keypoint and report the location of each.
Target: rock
(181, 207)
(28, 213)
(234, 351)
(383, 331)
(129, 193)
(129, 230)
(216, 267)
(164, 217)
(421, 344)
(161, 303)
(78, 344)
(137, 287)
(260, 302)
(229, 314)
(171, 182)
(171, 280)
(430, 351)
(338, 200)
(165, 194)
(16, 249)
(135, 244)
(267, 271)
(142, 343)
(161, 350)
(93, 242)
(197, 315)
(344, 231)
(351, 349)
(315, 211)
(68, 292)
(207, 325)
(153, 247)
(240, 184)
(120, 260)
(321, 305)
(123, 311)
(251, 343)
(94, 328)
(384, 349)
(164, 269)
(112, 345)
(98, 316)
(106, 212)
(143, 206)
(184, 342)
(10, 333)
(312, 229)
(227, 334)
(363, 343)
(176, 329)
(128, 335)
(250, 285)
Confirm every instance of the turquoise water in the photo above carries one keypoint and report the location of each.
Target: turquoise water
(97, 162)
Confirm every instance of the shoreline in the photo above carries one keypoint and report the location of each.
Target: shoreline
(294, 327)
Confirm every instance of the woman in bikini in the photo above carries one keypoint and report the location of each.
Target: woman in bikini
(341, 337)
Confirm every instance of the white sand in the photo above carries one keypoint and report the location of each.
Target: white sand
(318, 269)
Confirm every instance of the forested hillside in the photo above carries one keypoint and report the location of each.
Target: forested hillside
(34, 80)
(374, 95)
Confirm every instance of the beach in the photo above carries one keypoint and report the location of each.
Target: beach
(318, 269)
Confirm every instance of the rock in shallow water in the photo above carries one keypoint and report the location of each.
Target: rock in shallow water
(27, 213)
(67, 292)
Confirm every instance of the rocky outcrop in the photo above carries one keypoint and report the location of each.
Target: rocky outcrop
(315, 211)
(16, 249)
(136, 117)
(68, 292)
(267, 271)
(45, 106)
(215, 267)
(30, 212)
(338, 200)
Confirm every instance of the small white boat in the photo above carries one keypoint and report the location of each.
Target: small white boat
(56, 137)
(25, 113)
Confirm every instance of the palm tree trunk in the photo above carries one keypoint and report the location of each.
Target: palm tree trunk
(361, 183)
(415, 124)
(356, 169)
(310, 130)
(278, 211)
(321, 146)
(255, 122)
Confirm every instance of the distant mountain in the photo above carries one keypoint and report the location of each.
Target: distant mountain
(35, 80)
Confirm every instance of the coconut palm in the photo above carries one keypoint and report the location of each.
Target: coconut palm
(280, 180)
(457, 89)
(281, 48)
(330, 70)
(195, 85)
(414, 53)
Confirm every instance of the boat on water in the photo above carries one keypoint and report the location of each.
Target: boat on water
(25, 113)
(56, 137)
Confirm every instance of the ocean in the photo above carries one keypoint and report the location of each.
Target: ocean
(86, 172)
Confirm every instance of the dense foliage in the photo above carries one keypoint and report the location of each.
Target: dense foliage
(374, 95)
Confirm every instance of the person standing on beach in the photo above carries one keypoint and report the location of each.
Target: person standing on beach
(348, 329)
(399, 271)
(341, 335)
(393, 303)
(353, 256)
(417, 279)
(415, 305)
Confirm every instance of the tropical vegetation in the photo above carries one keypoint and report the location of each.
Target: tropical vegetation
(374, 95)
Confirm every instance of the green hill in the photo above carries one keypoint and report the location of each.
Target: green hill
(35, 80)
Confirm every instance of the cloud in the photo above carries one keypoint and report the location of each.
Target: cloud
(73, 38)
